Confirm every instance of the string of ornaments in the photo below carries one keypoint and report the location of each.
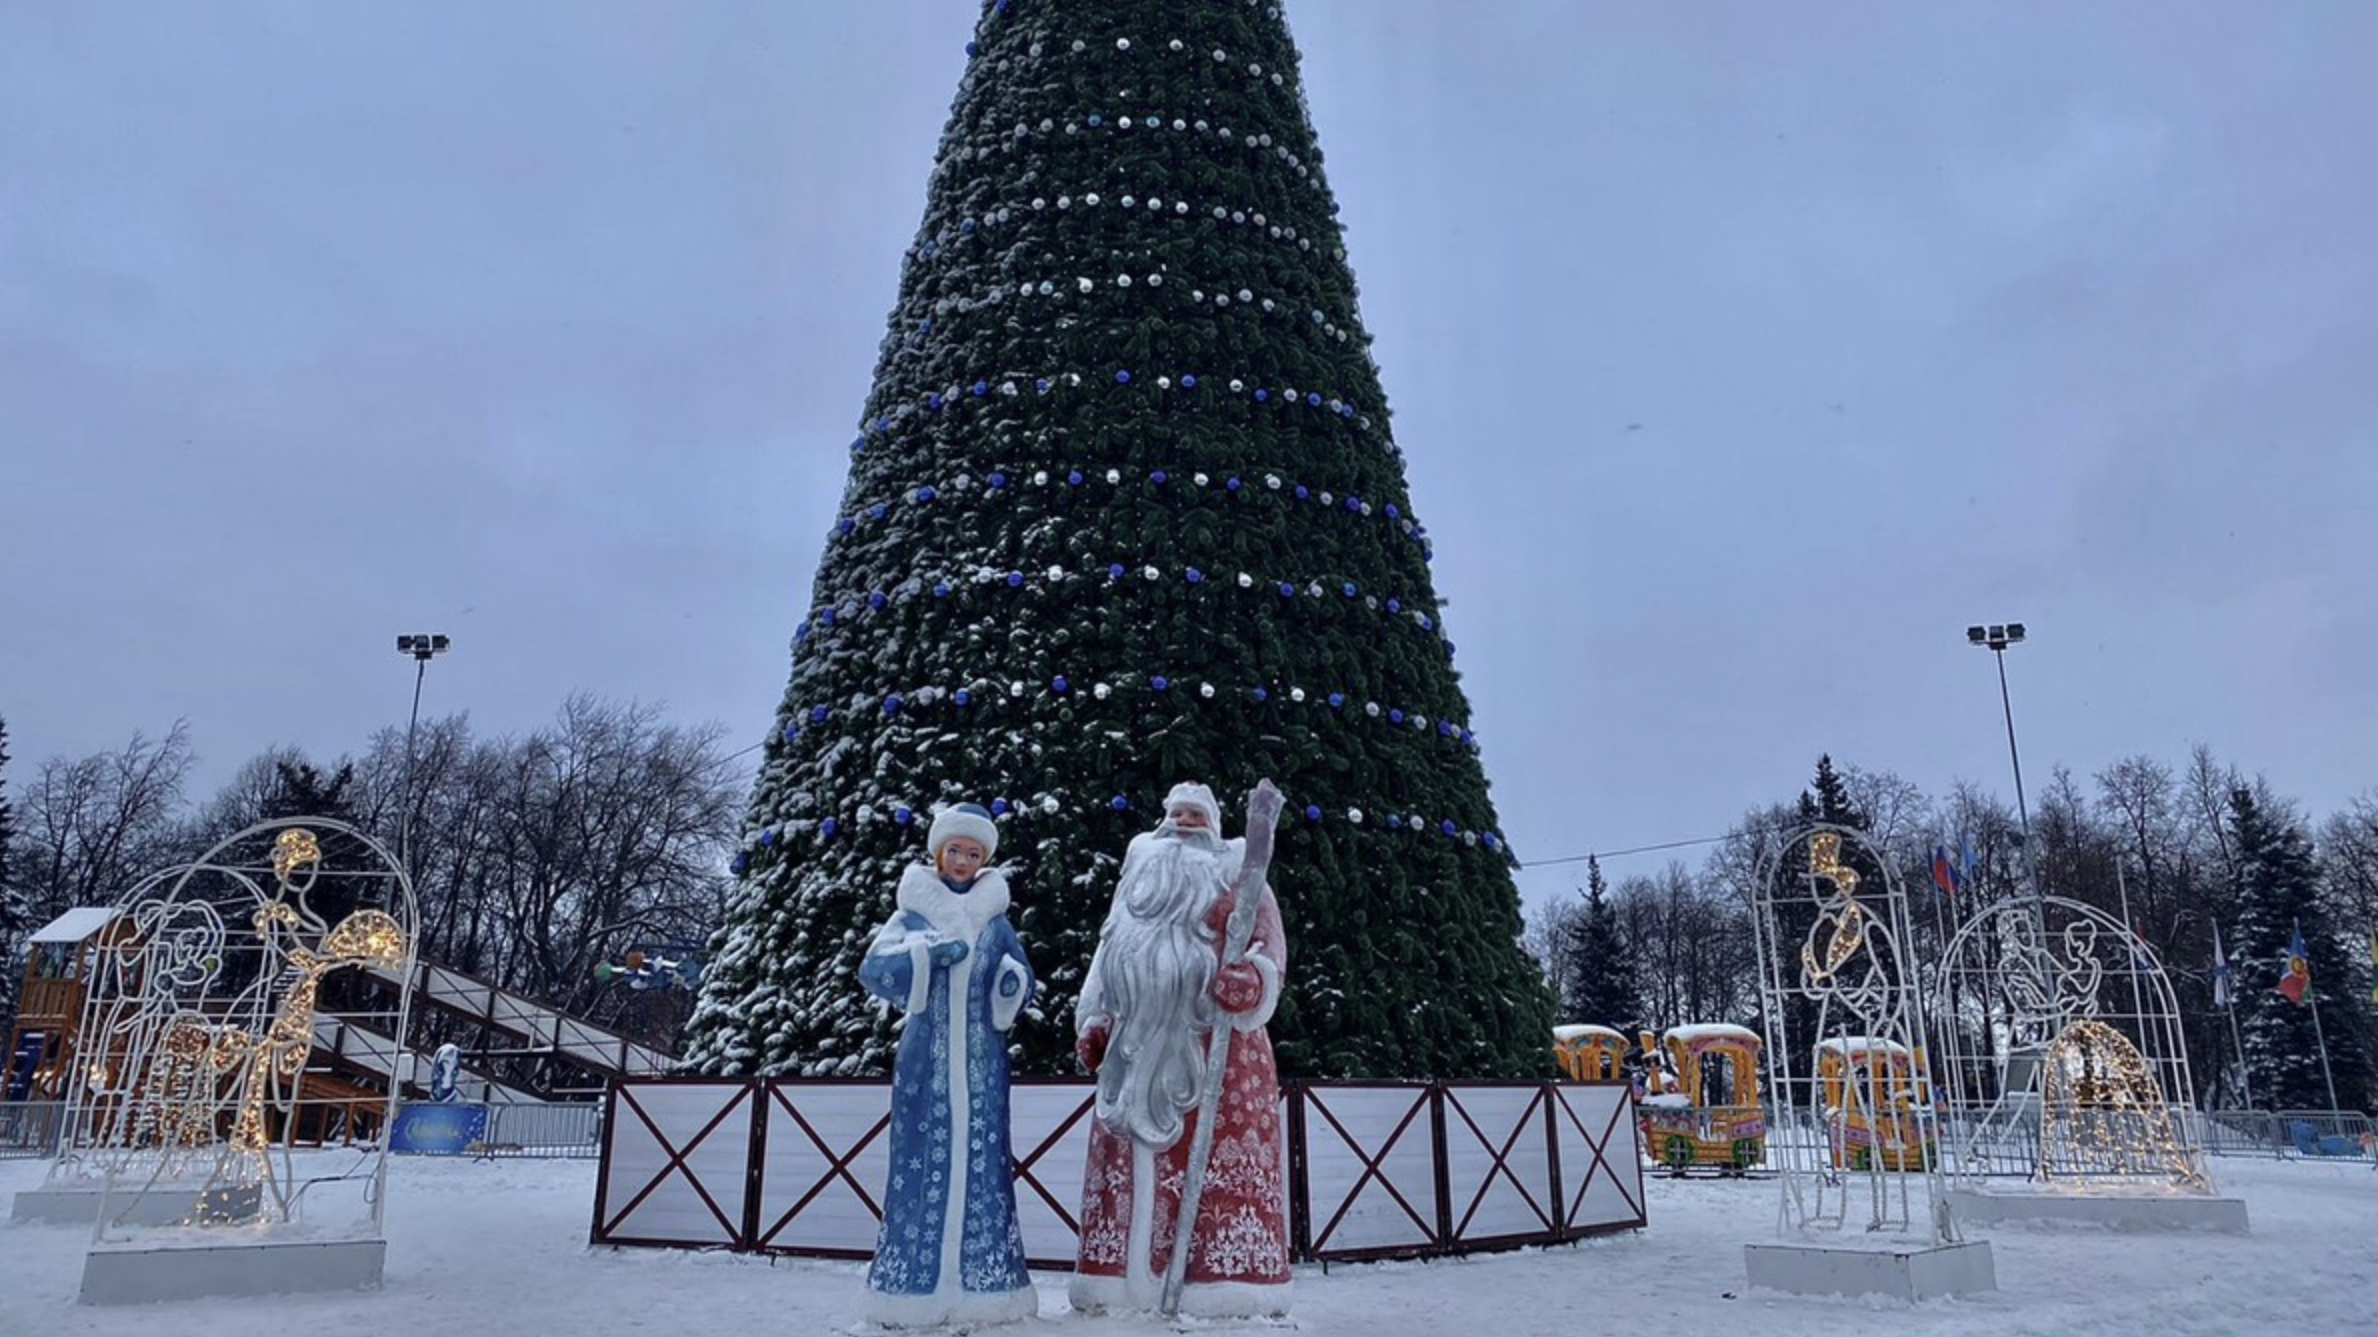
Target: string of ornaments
(835, 616)
(772, 841)
(893, 704)
(883, 422)
(999, 480)
(1149, 286)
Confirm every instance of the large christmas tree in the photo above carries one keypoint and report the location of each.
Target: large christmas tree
(1124, 510)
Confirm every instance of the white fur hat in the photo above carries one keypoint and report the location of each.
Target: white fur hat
(1195, 795)
(970, 820)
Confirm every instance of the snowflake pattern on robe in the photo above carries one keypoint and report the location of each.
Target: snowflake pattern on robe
(1241, 1232)
(949, 1224)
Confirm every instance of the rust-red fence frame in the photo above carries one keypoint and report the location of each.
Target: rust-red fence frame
(1375, 1169)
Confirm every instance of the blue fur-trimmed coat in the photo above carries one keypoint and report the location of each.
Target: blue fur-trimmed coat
(950, 1249)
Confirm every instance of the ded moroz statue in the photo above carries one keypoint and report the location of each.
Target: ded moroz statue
(950, 1251)
(1171, 1020)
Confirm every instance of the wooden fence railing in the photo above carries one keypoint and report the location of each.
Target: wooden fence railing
(1375, 1169)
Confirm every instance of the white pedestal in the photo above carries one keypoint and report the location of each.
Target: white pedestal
(80, 1206)
(2142, 1212)
(1914, 1272)
(145, 1274)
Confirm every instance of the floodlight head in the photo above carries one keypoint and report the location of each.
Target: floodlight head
(1977, 635)
(2014, 633)
(421, 645)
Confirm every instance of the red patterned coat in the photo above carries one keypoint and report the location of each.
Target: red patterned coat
(1238, 1252)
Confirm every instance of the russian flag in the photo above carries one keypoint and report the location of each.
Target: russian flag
(2220, 971)
(1944, 874)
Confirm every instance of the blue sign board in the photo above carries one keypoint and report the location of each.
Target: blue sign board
(438, 1129)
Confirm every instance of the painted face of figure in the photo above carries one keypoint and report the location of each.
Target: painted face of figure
(1188, 817)
(961, 858)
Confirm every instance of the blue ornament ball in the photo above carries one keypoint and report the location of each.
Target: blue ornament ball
(1302, 492)
(981, 388)
(1122, 378)
(817, 714)
(997, 479)
(1159, 683)
(1312, 812)
(1234, 485)
(1015, 579)
(903, 815)
(892, 704)
(740, 865)
(768, 837)
(876, 512)
(1337, 699)
(1395, 717)
(1447, 826)
(941, 590)
(962, 697)
(1263, 396)
(877, 600)
(1114, 571)
(1118, 803)
(1263, 694)
(827, 828)
(1188, 381)
(1159, 477)
(1193, 575)
(926, 493)
(999, 807)
(1059, 685)
(1074, 478)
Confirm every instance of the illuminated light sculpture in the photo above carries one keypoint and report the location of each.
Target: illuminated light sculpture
(1840, 994)
(229, 1137)
(2069, 1093)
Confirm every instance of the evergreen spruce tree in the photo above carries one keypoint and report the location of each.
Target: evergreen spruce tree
(2277, 888)
(1601, 965)
(1124, 510)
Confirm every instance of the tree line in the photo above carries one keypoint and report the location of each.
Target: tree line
(535, 856)
(2184, 850)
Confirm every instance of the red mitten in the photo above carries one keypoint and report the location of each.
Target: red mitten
(1090, 1049)
(1218, 914)
(1239, 987)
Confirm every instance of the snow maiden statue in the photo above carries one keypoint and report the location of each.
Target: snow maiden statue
(1187, 1136)
(950, 1251)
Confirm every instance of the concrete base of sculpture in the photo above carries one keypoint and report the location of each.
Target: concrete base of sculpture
(2134, 1212)
(1909, 1272)
(147, 1272)
(79, 1206)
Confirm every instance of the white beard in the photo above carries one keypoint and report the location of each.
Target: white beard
(1155, 969)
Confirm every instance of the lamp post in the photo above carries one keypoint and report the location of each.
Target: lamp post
(422, 648)
(1995, 638)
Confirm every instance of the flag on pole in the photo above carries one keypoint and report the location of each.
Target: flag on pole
(2374, 967)
(2221, 971)
(1965, 859)
(1944, 876)
(2298, 976)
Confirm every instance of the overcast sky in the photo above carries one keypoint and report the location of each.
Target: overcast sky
(1742, 353)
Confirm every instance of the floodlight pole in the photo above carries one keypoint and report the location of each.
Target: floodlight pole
(1995, 638)
(422, 648)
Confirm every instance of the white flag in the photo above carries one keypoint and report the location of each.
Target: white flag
(2220, 971)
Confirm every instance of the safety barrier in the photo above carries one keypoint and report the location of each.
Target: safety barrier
(1375, 1169)
(29, 1128)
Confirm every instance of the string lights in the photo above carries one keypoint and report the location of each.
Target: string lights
(2103, 1115)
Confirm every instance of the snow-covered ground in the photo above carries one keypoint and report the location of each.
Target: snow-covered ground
(501, 1249)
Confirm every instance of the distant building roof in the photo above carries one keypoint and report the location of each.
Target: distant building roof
(75, 925)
